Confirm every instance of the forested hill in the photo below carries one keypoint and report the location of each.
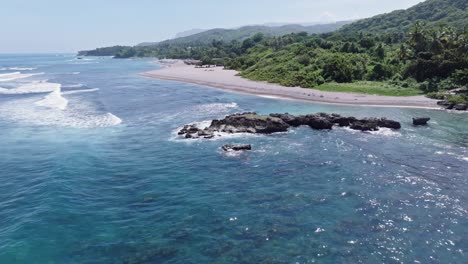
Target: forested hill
(432, 12)
(429, 53)
(106, 51)
(240, 34)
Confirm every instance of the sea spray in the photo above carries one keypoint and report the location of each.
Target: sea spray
(54, 100)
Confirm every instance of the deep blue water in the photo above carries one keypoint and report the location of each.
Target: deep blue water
(94, 173)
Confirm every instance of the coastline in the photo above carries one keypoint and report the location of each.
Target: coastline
(228, 80)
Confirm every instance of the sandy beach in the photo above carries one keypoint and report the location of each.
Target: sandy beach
(228, 80)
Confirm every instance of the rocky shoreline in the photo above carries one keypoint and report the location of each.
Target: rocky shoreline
(254, 123)
(452, 106)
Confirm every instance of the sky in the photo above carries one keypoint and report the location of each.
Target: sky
(50, 26)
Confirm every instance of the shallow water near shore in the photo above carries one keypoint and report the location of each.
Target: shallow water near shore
(92, 172)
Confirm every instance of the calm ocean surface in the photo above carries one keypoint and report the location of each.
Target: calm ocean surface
(91, 171)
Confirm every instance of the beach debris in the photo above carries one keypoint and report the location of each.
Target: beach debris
(230, 147)
(421, 121)
(267, 124)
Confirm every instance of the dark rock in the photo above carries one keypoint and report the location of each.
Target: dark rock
(373, 124)
(364, 125)
(206, 133)
(188, 129)
(383, 122)
(462, 90)
(344, 121)
(288, 119)
(460, 107)
(252, 123)
(236, 147)
(249, 123)
(446, 104)
(319, 123)
(421, 121)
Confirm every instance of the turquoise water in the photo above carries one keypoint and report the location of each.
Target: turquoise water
(94, 173)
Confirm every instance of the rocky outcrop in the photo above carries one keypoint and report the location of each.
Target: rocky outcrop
(289, 119)
(249, 123)
(273, 123)
(230, 147)
(446, 104)
(421, 121)
(318, 122)
(460, 107)
(192, 131)
(364, 125)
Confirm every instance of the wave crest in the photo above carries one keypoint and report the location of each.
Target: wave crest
(11, 76)
(31, 88)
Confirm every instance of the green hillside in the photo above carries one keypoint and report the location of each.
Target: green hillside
(432, 12)
(423, 49)
(228, 35)
(107, 51)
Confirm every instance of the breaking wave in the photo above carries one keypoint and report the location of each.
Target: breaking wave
(4, 77)
(17, 69)
(81, 91)
(31, 88)
(56, 107)
(54, 100)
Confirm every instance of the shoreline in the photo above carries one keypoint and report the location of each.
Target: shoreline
(227, 80)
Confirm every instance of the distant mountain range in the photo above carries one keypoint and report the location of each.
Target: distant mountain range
(431, 12)
(189, 32)
(207, 36)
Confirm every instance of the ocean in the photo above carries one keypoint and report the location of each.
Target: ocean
(92, 171)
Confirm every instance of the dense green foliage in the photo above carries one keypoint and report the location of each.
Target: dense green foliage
(240, 34)
(370, 56)
(432, 12)
(107, 51)
(428, 58)
(452, 98)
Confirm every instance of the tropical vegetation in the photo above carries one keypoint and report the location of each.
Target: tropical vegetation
(420, 50)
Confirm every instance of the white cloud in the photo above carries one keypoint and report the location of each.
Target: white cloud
(327, 17)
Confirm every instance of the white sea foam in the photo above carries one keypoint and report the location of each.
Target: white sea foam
(17, 69)
(383, 131)
(4, 77)
(80, 62)
(54, 100)
(21, 69)
(388, 132)
(270, 96)
(217, 135)
(215, 108)
(33, 87)
(78, 113)
(53, 109)
(78, 85)
(81, 91)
